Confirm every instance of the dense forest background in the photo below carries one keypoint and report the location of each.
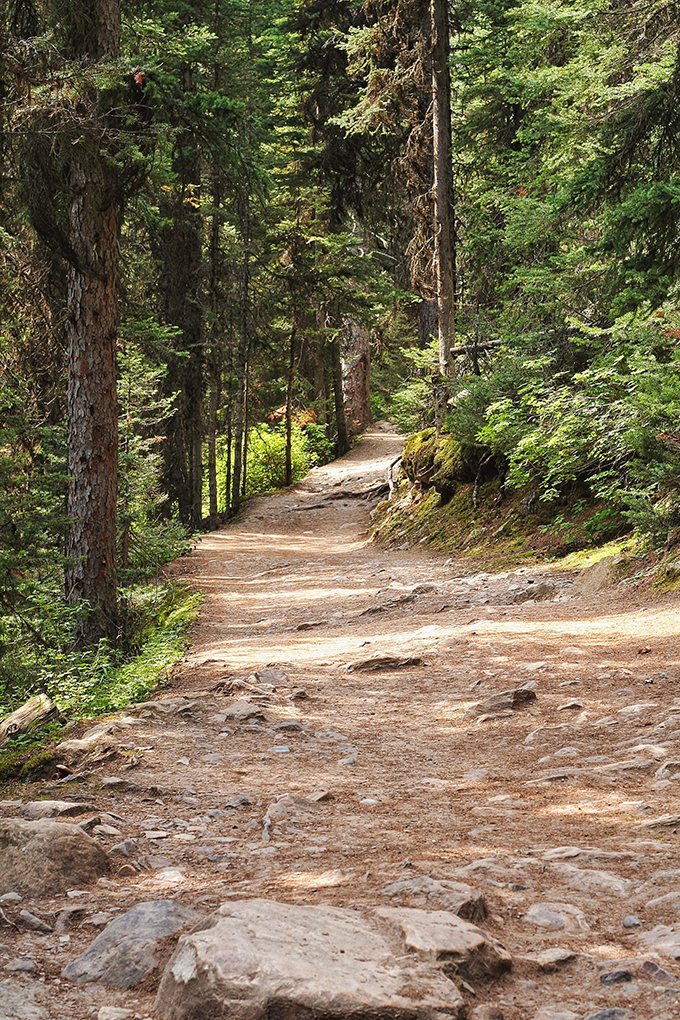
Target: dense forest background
(229, 212)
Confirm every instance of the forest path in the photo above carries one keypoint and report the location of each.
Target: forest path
(335, 778)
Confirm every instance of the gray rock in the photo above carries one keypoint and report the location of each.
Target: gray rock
(663, 940)
(619, 976)
(46, 857)
(555, 1013)
(488, 1011)
(609, 1014)
(516, 697)
(380, 662)
(455, 945)
(22, 967)
(299, 694)
(272, 675)
(240, 800)
(115, 1013)
(254, 959)
(550, 959)
(52, 809)
(652, 968)
(19, 1001)
(557, 916)
(591, 881)
(33, 923)
(631, 921)
(126, 951)
(457, 897)
(243, 710)
(288, 726)
(600, 575)
(11, 897)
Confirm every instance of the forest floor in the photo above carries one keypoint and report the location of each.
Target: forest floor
(562, 810)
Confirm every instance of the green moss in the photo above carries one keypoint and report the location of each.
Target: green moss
(38, 762)
(668, 578)
(10, 764)
(419, 454)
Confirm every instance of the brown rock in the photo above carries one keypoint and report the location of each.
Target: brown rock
(45, 857)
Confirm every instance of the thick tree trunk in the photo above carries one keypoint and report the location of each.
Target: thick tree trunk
(241, 354)
(92, 324)
(443, 181)
(356, 364)
(215, 360)
(342, 442)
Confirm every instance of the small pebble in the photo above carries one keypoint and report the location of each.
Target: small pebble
(631, 921)
(10, 897)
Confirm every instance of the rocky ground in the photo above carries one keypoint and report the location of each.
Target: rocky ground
(381, 785)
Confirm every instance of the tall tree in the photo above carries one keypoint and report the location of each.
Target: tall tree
(92, 32)
(442, 184)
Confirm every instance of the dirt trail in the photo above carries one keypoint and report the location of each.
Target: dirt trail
(553, 807)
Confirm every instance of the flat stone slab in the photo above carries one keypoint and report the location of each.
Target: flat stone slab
(44, 857)
(456, 946)
(256, 959)
(127, 950)
(53, 809)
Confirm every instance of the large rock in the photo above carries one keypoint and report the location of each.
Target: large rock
(605, 572)
(53, 809)
(18, 1001)
(127, 950)
(456, 946)
(100, 737)
(662, 940)
(45, 857)
(459, 898)
(258, 959)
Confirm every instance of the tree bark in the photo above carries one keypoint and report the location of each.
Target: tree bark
(356, 363)
(181, 280)
(443, 182)
(92, 325)
(289, 399)
(241, 354)
(342, 442)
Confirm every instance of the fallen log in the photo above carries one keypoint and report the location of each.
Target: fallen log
(39, 709)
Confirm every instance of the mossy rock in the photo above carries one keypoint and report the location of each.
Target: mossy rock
(442, 461)
(669, 575)
(419, 453)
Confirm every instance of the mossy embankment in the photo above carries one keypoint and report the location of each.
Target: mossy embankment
(451, 496)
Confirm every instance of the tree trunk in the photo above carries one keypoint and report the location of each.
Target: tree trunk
(246, 403)
(227, 465)
(356, 363)
(215, 366)
(181, 254)
(212, 441)
(242, 353)
(443, 181)
(289, 400)
(92, 325)
(342, 442)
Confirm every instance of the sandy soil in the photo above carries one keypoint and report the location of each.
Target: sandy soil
(560, 801)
